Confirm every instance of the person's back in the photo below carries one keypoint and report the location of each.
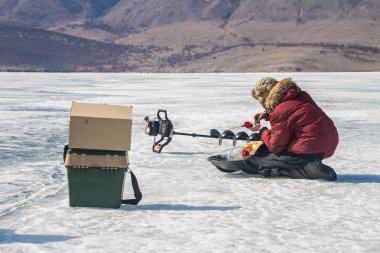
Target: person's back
(308, 129)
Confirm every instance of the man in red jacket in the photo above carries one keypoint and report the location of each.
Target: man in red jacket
(301, 134)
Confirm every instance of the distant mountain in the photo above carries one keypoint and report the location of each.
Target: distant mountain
(195, 29)
(141, 15)
(149, 13)
(47, 13)
(30, 49)
(124, 15)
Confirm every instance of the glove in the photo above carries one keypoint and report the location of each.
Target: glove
(255, 127)
(259, 116)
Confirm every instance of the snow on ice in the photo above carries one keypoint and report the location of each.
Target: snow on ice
(188, 205)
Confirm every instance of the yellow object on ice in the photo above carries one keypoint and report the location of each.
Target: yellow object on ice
(252, 146)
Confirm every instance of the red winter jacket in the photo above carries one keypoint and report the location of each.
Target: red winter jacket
(299, 126)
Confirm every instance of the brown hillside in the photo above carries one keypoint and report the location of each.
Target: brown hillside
(29, 49)
(267, 58)
(185, 34)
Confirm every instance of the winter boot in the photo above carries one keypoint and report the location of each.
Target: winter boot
(316, 170)
(270, 172)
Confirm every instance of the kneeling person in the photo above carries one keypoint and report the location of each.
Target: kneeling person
(301, 134)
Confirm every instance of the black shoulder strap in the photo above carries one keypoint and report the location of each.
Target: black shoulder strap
(65, 152)
(136, 191)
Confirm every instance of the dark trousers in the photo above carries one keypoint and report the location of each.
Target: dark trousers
(288, 165)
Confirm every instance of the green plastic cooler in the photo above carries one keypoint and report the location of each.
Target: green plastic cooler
(96, 178)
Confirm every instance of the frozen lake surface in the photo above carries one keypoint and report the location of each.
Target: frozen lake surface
(188, 205)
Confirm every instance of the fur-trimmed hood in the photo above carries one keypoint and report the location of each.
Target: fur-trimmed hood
(277, 93)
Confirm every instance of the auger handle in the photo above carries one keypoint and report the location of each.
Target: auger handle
(164, 111)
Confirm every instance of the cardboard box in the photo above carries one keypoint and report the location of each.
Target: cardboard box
(100, 127)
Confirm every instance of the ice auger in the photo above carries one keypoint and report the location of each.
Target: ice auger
(163, 127)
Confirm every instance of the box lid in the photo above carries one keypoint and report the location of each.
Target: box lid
(80, 109)
(96, 160)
